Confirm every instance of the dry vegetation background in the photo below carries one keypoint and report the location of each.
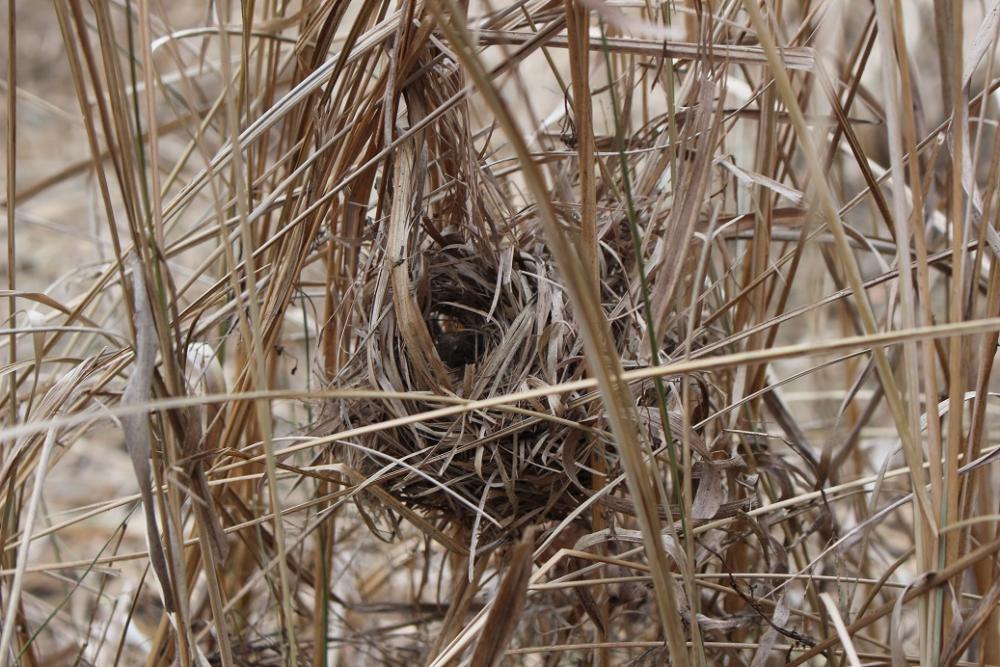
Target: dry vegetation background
(591, 332)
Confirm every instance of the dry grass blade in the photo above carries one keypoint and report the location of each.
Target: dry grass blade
(16, 586)
(413, 329)
(508, 604)
(794, 58)
(850, 653)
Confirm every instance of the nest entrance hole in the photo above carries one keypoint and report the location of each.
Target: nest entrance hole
(459, 340)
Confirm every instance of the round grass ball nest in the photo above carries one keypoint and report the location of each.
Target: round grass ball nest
(460, 300)
(495, 324)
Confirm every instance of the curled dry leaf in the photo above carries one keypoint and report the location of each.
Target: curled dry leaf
(138, 392)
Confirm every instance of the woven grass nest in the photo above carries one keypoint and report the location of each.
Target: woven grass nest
(462, 300)
(490, 335)
(488, 323)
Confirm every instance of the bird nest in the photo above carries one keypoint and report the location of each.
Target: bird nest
(462, 302)
(490, 324)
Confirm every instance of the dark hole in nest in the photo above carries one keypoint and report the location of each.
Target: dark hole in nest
(456, 343)
(459, 331)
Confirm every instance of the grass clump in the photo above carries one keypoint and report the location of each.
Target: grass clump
(426, 333)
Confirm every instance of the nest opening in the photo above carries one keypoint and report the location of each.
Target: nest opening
(460, 337)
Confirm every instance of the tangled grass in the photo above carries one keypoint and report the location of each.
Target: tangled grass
(554, 332)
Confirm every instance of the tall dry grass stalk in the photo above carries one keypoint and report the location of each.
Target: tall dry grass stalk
(555, 332)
